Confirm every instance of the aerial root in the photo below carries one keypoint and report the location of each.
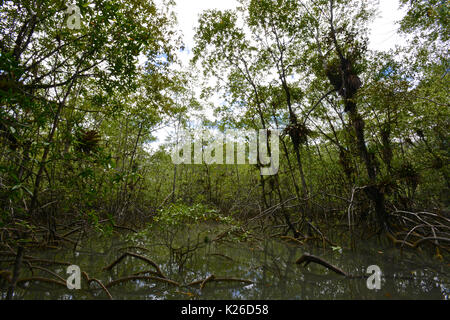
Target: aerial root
(424, 227)
(418, 243)
(90, 280)
(101, 286)
(134, 255)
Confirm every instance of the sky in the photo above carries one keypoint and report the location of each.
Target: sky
(384, 29)
(383, 37)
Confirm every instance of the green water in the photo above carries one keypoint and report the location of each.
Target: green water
(270, 264)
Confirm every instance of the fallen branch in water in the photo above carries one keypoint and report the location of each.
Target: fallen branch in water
(147, 278)
(308, 258)
(134, 255)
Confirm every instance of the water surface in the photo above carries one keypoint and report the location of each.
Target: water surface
(269, 263)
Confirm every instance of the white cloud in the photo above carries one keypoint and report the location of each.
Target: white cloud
(384, 34)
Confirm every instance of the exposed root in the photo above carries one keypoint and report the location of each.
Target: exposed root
(418, 243)
(434, 239)
(397, 241)
(90, 280)
(101, 286)
(129, 254)
(424, 227)
(86, 276)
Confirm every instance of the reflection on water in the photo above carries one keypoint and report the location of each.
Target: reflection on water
(270, 264)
